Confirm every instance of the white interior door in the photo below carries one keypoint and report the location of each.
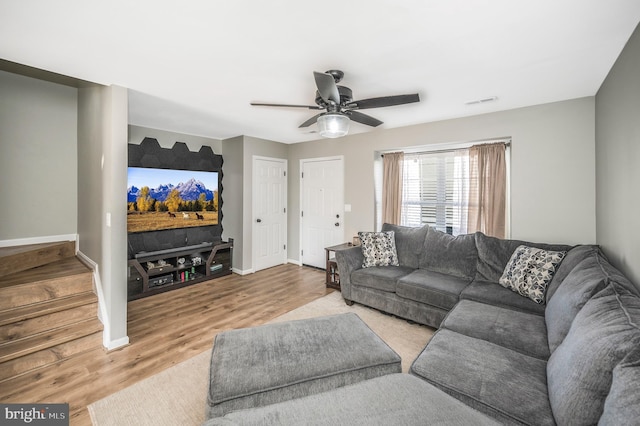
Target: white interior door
(269, 212)
(322, 201)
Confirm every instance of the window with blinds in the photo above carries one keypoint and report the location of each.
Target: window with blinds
(435, 190)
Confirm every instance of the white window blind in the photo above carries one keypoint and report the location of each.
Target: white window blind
(435, 190)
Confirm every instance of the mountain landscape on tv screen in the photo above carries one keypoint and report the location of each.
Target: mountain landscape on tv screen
(159, 199)
(189, 191)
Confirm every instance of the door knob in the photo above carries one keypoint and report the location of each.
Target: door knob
(258, 220)
(337, 223)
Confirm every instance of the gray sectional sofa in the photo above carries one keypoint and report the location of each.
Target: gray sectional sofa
(436, 271)
(497, 357)
(573, 360)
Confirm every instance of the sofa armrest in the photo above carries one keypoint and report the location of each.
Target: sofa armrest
(348, 260)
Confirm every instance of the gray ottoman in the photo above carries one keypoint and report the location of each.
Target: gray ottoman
(263, 365)
(394, 399)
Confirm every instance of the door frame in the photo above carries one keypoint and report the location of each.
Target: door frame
(254, 234)
(301, 199)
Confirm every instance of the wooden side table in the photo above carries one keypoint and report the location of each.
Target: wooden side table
(332, 279)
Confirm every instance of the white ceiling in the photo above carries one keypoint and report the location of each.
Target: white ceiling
(194, 66)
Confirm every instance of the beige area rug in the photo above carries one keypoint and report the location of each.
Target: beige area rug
(178, 394)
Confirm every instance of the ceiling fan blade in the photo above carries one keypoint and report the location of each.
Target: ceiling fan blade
(310, 121)
(327, 87)
(363, 118)
(287, 105)
(383, 101)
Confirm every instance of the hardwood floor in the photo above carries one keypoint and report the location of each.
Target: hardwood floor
(167, 329)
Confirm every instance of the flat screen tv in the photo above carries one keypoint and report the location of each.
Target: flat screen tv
(168, 199)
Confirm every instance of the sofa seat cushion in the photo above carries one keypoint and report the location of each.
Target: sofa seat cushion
(393, 304)
(382, 278)
(520, 331)
(394, 399)
(585, 280)
(450, 255)
(494, 294)
(432, 288)
(494, 254)
(277, 362)
(580, 370)
(507, 385)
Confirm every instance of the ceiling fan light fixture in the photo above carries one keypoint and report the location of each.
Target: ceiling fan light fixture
(333, 125)
(340, 106)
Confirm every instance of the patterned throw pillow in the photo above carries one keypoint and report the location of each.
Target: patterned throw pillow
(378, 248)
(530, 270)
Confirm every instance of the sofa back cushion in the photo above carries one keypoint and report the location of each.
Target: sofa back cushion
(494, 254)
(570, 261)
(450, 255)
(615, 275)
(580, 371)
(409, 243)
(622, 406)
(585, 280)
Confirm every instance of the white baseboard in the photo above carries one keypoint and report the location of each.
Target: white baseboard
(253, 271)
(103, 316)
(38, 240)
(118, 343)
(243, 272)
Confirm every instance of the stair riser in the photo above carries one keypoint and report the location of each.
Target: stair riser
(26, 294)
(32, 344)
(16, 367)
(44, 323)
(33, 311)
(32, 259)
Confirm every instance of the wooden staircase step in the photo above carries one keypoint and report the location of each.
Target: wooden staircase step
(38, 309)
(21, 258)
(49, 356)
(40, 324)
(48, 308)
(50, 339)
(61, 279)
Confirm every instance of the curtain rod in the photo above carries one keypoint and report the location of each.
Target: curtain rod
(507, 142)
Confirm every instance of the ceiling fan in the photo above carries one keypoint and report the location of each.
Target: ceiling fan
(340, 107)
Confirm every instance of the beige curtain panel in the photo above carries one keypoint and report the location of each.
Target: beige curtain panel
(392, 187)
(487, 189)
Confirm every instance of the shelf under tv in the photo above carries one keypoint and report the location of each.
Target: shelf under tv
(168, 269)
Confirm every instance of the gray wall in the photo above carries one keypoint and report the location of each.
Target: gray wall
(552, 168)
(90, 192)
(102, 181)
(38, 141)
(233, 184)
(618, 161)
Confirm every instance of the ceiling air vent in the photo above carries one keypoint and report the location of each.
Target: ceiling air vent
(482, 101)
